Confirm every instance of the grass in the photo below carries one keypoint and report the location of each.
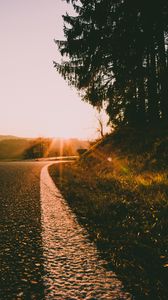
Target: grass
(122, 200)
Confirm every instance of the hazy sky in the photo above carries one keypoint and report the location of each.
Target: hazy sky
(35, 100)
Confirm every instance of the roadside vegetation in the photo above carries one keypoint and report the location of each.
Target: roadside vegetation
(119, 192)
(115, 53)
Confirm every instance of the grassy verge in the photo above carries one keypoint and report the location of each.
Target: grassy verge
(126, 214)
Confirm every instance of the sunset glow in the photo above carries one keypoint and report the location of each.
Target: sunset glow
(35, 100)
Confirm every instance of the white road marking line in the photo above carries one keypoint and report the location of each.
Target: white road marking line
(73, 269)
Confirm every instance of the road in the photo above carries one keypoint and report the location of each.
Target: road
(44, 253)
(21, 253)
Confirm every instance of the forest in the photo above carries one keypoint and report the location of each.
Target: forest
(115, 53)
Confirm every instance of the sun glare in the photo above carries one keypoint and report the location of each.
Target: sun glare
(41, 102)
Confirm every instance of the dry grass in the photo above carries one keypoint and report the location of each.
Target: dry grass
(124, 206)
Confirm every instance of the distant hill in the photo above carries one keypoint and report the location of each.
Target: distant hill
(12, 147)
(8, 137)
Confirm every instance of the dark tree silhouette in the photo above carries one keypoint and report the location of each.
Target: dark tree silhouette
(116, 51)
(37, 148)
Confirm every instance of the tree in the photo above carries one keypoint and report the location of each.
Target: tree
(115, 52)
(38, 148)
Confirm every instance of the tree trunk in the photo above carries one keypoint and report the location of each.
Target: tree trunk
(153, 107)
(163, 76)
(141, 94)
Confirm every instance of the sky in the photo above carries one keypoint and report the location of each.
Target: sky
(34, 99)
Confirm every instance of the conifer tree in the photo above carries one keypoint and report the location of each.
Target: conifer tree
(116, 53)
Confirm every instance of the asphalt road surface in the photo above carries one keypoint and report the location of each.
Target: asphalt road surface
(21, 253)
(44, 253)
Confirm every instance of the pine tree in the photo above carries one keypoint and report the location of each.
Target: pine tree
(115, 53)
